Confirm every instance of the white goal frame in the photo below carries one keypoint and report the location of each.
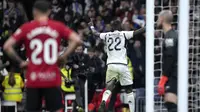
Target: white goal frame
(149, 88)
(183, 49)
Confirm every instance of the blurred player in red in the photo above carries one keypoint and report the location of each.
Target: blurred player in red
(42, 38)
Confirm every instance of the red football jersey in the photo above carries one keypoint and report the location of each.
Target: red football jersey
(42, 41)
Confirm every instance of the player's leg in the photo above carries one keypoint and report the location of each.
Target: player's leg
(110, 85)
(127, 82)
(130, 97)
(111, 79)
(107, 93)
(33, 100)
(171, 102)
(113, 98)
(54, 99)
(170, 97)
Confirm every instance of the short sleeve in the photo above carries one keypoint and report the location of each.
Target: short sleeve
(103, 36)
(65, 31)
(19, 34)
(128, 34)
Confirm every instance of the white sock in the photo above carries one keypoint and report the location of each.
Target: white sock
(106, 95)
(131, 101)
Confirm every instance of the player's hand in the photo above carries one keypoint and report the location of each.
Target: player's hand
(161, 90)
(91, 22)
(161, 85)
(23, 64)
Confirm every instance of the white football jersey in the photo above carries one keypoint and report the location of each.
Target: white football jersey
(116, 45)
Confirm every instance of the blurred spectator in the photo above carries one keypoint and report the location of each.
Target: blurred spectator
(77, 7)
(124, 11)
(108, 4)
(14, 15)
(88, 3)
(68, 19)
(57, 12)
(108, 28)
(106, 15)
(126, 26)
(100, 24)
(67, 85)
(138, 18)
(1, 15)
(124, 5)
(91, 13)
(96, 69)
(13, 85)
(79, 64)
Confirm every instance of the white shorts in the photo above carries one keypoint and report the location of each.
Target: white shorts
(120, 72)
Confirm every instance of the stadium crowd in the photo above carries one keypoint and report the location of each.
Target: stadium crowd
(88, 61)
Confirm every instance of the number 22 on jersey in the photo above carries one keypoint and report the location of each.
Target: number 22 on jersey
(113, 44)
(49, 48)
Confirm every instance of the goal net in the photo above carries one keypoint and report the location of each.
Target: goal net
(194, 56)
(194, 53)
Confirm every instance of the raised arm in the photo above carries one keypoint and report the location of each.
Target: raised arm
(94, 32)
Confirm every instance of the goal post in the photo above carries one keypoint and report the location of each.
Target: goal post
(150, 55)
(183, 49)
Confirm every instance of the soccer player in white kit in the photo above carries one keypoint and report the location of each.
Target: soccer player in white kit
(117, 69)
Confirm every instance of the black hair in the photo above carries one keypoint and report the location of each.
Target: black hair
(42, 5)
(116, 25)
(11, 78)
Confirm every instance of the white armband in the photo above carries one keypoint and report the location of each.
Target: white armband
(92, 27)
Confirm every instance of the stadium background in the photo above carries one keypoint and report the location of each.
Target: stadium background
(77, 13)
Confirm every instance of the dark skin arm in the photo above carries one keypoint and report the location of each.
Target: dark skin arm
(139, 31)
(96, 33)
